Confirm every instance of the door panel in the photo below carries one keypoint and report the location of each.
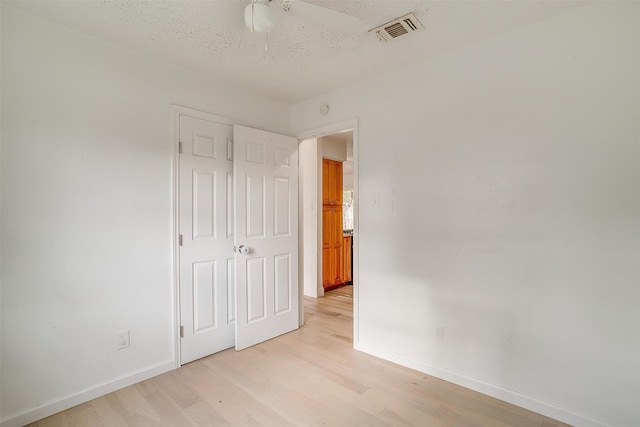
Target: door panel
(327, 260)
(282, 283)
(266, 170)
(256, 289)
(204, 204)
(204, 295)
(282, 207)
(336, 242)
(326, 185)
(255, 195)
(336, 175)
(206, 263)
(231, 294)
(332, 262)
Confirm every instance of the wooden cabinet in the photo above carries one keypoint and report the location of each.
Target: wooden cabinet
(325, 181)
(331, 182)
(332, 239)
(331, 246)
(346, 259)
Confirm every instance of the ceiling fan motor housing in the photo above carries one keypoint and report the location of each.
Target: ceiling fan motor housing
(258, 17)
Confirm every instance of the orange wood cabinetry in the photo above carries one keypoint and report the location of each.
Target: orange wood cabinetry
(326, 169)
(332, 239)
(331, 246)
(331, 182)
(346, 259)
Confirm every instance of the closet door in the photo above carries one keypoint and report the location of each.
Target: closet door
(266, 173)
(206, 282)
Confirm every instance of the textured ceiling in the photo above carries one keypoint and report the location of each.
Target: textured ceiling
(304, 59)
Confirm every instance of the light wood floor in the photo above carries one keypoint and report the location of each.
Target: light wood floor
(309, 377)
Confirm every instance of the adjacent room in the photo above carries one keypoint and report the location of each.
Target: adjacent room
(475, 262)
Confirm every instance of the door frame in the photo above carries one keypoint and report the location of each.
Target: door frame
(325, 130)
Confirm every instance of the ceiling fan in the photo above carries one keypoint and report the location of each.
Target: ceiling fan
(258, 15)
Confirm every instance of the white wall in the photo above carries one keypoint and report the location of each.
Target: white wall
(87, 210)
(310, 158)
(334, 147)
(509, 205)
(347, 177)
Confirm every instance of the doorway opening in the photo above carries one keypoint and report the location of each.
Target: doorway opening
(328, 265)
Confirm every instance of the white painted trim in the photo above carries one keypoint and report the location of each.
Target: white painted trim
(177, 110)
(329, 129)
(319, 219)
(333, 128)
(300, 247)
(175, 265)
(356, 233)
(301, 241)
(500, 393)
(55, 406)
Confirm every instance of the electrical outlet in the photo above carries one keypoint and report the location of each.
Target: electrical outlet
(123, 339)
(438, 334)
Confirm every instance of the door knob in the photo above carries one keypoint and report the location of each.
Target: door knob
(244, 249)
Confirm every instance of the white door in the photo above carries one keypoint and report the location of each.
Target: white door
(266, 173)
(206, 259)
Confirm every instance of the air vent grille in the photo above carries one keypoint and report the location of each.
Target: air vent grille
(397, 28)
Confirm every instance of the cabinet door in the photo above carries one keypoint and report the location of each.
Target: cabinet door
(331, 182)
(336, 232)
(326, 184)
(346, 259)
(336, 184)
(332, 270)
(327, 248)
(332, 256)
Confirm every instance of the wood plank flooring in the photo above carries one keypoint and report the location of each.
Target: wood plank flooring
(309, 377)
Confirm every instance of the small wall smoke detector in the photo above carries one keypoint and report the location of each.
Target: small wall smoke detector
(397, 28)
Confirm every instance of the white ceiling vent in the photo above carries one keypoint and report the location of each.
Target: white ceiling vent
(397, 28)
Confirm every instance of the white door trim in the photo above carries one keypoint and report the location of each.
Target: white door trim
(318, 132)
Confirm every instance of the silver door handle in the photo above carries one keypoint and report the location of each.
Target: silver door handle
(244, 249)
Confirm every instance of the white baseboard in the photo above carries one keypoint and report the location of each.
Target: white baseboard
(67, 402)
(461, 380)
(503, 394)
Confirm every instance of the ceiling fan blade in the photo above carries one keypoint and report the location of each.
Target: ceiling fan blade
(323, 16)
